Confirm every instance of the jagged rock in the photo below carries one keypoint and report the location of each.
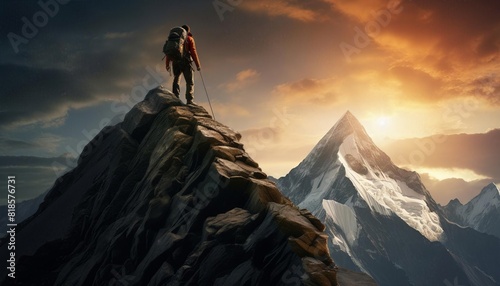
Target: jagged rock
(317, 273)
(314, 220)
(138, 120)
(170, 197)
(233, 226)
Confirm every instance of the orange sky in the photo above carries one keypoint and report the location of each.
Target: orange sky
(405, 68)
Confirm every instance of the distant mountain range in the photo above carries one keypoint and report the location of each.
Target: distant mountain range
(482, 213)
(381, 219)
(23, 210)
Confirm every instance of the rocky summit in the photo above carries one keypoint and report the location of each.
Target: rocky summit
(170, 197)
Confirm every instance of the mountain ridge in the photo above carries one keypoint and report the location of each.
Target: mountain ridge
(170, 196)
(482, 213)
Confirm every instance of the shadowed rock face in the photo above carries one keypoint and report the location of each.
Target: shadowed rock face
(169, 196)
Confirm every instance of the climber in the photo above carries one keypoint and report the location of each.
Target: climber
(183, 65)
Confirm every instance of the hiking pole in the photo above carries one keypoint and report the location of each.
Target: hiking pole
(206, 92)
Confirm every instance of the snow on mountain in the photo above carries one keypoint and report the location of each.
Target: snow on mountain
(482, 213)
(386, 195)
(380, 218)
(345, 217)
(486, 201)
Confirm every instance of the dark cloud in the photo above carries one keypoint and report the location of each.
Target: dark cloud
(8, 144)
(47, 143)
(470, 27)
(487, 86)
(466, 32)
(43, 92)
(96, 51)
(447, 45)
(476, 152)
(34, 175)
(89, 52)
(30, 95)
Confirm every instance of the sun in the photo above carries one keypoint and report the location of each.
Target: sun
(383, 121)
(382, 126)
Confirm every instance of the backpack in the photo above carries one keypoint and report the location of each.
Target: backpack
(174, 46)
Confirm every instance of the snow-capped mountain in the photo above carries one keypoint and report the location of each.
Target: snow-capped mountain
(381, 219)
(482, 213)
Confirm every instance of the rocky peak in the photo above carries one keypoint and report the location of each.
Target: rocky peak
(349, 119)
(488, 197)
(169, 196)
(454, 203)
(491, 190)
(482, 213)
(348, 124)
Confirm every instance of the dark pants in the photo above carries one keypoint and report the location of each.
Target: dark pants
(186, 70)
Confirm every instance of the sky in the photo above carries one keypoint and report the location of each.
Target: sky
(421, 76)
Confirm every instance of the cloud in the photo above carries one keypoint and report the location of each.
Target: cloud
(8, 144)
(296, 10)
(117, 35)
(453, 188)
(45, 142)
(48, 142)
(417, 84)
(45, 91)
(467, 29)
(225, 111)
(309, 90)
(486, 86)
(243, 79)
(38, 95)
(476, 152)
(453, 49)
(362, 10)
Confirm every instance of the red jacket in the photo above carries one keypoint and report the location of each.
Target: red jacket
(190, 46)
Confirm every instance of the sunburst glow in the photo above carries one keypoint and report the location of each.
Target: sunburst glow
(383, 121)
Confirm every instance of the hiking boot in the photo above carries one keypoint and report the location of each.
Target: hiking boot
(190, 101)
